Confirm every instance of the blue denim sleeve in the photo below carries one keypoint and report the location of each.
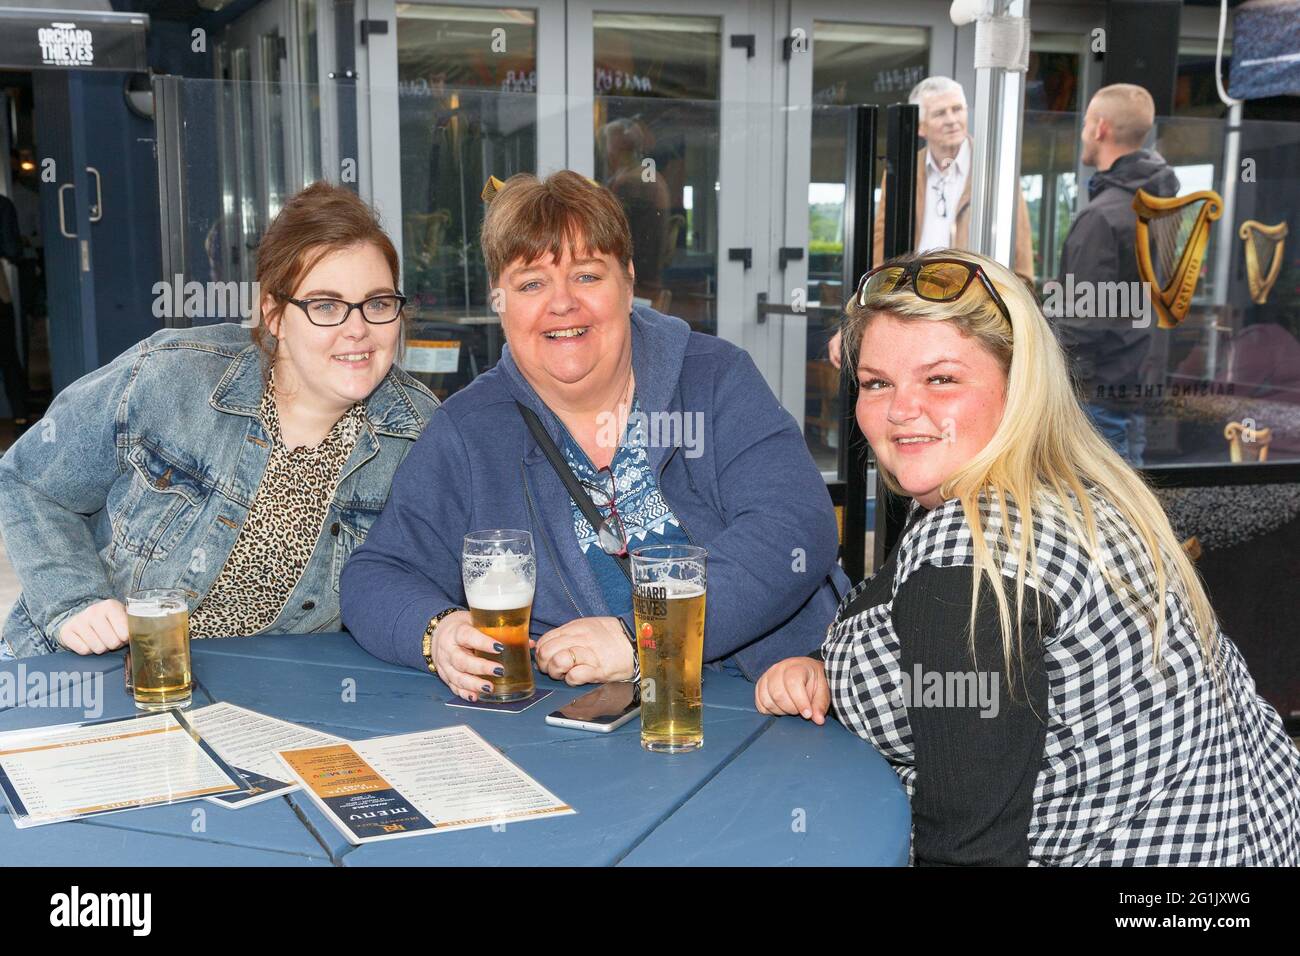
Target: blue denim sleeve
(53, 482)
(408, 568)
(781, 538)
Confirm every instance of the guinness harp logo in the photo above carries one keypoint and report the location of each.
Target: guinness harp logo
(1171, 238)
(1263, 244)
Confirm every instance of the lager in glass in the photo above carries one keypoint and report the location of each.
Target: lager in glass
(668, 605)
(158, 624)
(499, 571)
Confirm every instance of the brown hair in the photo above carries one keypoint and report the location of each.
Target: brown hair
(321, 219)
(528, 218)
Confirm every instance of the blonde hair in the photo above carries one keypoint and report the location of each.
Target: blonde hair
(1129, 109)
(1044, 445)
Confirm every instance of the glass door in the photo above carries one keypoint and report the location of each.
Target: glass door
(457, 93)
(268, 106)
(659, 103)
(1054, 101)
(842, 56)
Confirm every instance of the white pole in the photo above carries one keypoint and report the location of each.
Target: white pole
(1001, 52)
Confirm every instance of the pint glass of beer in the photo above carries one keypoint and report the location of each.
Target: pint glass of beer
(158, 624)
(668, 605)
(499, 571)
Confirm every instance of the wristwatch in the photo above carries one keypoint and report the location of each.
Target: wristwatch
(428, 637)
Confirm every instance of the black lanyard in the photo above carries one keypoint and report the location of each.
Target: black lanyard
(571, 483)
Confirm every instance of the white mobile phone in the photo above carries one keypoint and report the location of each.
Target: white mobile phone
(606, 708)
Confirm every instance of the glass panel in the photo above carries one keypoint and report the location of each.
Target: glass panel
(1195, 92)
(1049, 149)
(251, 150)
(242, 225)
(1172, 396)
(308, 78)
(852, 64)
(657, 131)
(1067, 195)
(467, 110)
(1048, 140)
(1052, 81)
(225, 208)
(871, 65)
(273, 128)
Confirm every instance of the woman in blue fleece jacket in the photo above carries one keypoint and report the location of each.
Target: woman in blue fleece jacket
(677, 430)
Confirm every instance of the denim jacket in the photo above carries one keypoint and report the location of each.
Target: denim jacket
(142, 473)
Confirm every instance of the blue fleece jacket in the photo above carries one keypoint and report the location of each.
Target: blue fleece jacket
(745, 488)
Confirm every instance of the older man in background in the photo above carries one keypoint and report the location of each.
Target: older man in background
(943, 184)
(943, 179)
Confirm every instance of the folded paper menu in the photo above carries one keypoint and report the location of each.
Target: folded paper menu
(248, 742)
(417, 784)
(70, 771)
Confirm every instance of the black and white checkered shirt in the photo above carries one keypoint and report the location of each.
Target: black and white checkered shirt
(1141, 766)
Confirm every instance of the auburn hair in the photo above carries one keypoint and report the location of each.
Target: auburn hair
(321, 219)
(530, 217)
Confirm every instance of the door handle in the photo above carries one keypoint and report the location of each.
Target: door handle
(63, 222)
(824, 312)
(97, 210)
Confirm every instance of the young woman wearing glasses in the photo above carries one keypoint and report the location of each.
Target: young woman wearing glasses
(239, 465)
(1087, 709)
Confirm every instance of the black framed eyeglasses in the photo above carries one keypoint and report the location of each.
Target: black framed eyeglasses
(610, 534)
(937, 279)
(377, 310)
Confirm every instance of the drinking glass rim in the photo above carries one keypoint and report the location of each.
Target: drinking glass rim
(670, 552)
(499, 534)
(142, 595)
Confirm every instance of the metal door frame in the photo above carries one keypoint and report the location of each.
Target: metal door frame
(377, 85)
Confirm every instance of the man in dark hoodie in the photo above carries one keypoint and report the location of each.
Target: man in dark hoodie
(1108, 352)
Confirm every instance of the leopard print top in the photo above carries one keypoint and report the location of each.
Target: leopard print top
(282, 530)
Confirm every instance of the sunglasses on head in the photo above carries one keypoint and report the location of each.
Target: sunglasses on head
(934, 280)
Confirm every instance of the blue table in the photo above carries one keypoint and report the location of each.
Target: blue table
(761, 791)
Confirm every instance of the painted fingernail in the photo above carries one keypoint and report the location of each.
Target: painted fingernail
(487, 688)
(498, 647)
(499, 671)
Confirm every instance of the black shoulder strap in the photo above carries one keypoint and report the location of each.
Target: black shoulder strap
(571, 483)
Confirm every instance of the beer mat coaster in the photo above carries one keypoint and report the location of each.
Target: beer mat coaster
(509, 707)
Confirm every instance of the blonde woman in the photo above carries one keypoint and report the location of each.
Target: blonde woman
(1037, 659)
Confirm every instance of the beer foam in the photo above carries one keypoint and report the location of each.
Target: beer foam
(502, 587)
(679, 590)
(150, 609)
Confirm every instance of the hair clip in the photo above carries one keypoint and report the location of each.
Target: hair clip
(491, 188)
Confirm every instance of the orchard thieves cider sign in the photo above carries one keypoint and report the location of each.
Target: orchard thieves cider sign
(66, 44)
(72, 40)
